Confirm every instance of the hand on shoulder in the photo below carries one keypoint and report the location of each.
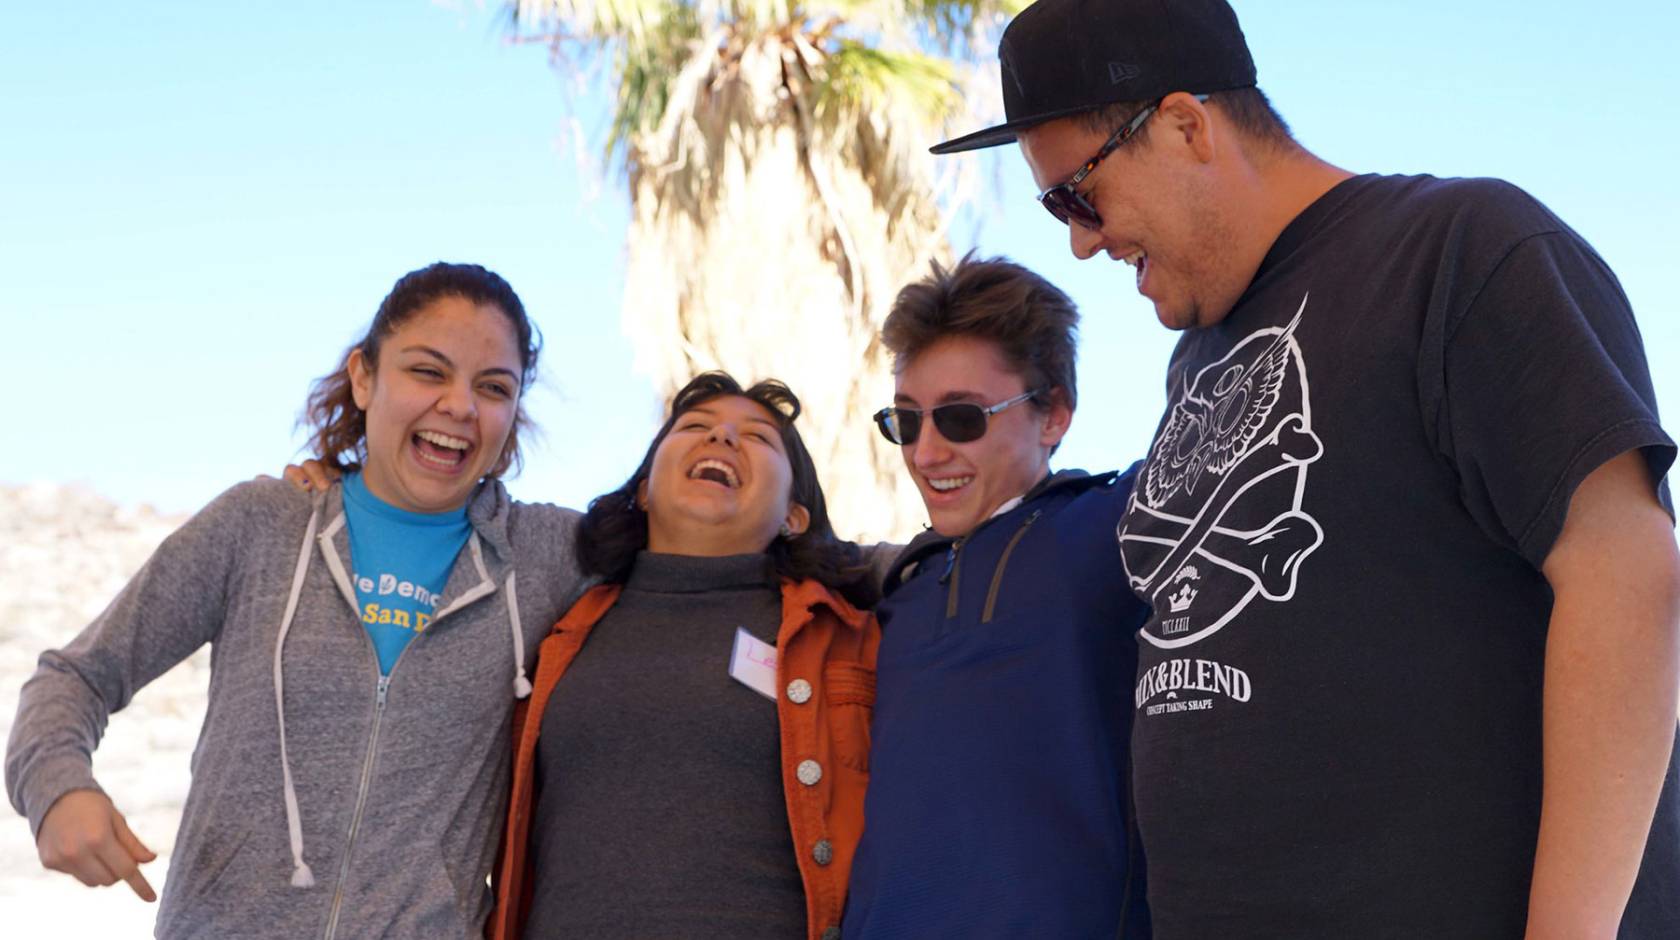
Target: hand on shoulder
(311, 476)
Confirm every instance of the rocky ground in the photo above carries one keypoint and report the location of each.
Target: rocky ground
(64, 553)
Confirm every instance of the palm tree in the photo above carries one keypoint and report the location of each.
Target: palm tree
(782, 193)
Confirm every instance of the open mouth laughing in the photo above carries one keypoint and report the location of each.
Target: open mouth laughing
(716, 471)
(1138, 259)
(439, 451)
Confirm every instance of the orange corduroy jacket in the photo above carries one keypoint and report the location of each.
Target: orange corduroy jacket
(825, 678)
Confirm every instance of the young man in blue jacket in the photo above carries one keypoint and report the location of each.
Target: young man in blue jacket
(998, 802)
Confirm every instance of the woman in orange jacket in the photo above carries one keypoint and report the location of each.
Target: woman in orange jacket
(701, 770)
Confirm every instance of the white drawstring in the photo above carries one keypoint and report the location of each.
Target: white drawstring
(302, 877)
(521, 685)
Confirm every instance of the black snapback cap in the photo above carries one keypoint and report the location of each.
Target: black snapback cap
(1061, 57)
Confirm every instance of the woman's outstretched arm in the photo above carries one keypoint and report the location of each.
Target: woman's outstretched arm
(174, 605)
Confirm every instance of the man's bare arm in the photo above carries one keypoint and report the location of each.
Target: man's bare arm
(1611, 683)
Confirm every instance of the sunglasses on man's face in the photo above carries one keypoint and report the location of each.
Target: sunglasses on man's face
(1068, 205)
(959, 422)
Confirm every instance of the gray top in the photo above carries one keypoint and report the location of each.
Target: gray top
(660, 810)
(399, 786)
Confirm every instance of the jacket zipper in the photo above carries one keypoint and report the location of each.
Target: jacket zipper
(485, 586)
(367, 770)
(1003, 562)
(361, 798)
(951, 576)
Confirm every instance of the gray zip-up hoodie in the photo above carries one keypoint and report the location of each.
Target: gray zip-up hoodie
(325, 801)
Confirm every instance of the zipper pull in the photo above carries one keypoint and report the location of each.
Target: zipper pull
(384, 683)
(950, 561)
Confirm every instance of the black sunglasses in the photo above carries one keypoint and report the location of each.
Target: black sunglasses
(958, 422)
(1069, 206)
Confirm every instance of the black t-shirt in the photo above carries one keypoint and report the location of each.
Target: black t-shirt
(1340, 528)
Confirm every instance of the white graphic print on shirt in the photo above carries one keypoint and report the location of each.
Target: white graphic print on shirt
(1217, 516)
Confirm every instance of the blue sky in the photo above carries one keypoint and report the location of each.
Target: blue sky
(201, 204)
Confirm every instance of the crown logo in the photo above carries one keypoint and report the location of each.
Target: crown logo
(1181, 601)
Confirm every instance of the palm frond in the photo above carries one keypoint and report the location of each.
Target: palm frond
(793, 132)
(648, 73)
(858, 78)
(957, 29)
(961, 16)
(596, 22)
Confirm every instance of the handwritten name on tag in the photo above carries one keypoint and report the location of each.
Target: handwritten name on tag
(753, 664)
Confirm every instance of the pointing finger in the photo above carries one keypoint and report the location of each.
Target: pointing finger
(131, 842)
(118, 861)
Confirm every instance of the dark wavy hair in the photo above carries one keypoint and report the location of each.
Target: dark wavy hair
(338, 429)
(615, 528)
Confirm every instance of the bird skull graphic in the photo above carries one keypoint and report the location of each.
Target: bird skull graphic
(1217, 515)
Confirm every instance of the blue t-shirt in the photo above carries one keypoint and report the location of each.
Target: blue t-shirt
(402, 561)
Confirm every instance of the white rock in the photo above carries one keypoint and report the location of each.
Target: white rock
(64, 553)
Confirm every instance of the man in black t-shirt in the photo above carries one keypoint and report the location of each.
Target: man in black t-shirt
(1412, 667)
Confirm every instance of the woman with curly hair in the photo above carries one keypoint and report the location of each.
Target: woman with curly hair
(656, 790)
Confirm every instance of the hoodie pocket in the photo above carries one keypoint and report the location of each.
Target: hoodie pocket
(850, 692)
(432, 902)
(210, 862)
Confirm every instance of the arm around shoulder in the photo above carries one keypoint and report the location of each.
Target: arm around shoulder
(544, 539)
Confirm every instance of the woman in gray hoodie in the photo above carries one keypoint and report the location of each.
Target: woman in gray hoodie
(367, 644)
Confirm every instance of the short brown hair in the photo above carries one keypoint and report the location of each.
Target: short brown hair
(1248, 109)
(1033, 323)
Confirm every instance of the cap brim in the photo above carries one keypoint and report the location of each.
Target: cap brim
(1003, 133)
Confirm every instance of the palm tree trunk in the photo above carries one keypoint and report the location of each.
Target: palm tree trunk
(785, 278)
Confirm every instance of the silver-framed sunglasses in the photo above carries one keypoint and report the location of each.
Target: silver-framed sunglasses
(958, 422)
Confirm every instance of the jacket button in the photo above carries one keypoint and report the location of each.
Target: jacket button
(799, 691)
(831, 933)
(823, 852)
(808, 772)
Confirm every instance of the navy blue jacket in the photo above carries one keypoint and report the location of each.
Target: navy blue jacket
(999, 799)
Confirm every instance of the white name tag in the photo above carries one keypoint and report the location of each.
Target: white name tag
(753, 664)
